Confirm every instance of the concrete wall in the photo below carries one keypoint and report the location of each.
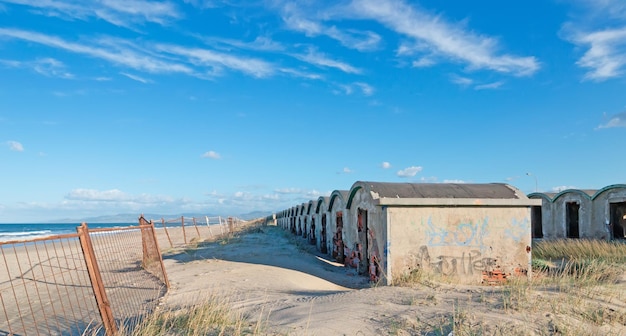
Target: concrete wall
(459, 242)
(376, 232)
(548, 224)
(559, 213)
(601, 219)
(338, 204)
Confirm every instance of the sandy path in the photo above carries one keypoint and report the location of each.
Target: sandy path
(279, 279)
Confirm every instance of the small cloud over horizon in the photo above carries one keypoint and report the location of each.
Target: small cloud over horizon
(615, 121)
(15, 146)
(409, 172)
(212, 155)
(385, 165)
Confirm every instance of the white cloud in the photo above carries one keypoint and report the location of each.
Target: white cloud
(260, 43)
(606, 56)
(385, 165)
(561, 188)
(118, 12)
(15, 146)
(618, 120)
(211, 155)
(366, 89)
(136, 78)
(409, 172)
(347, 170)
(288, 191)
(489, 86)
(462, 81)
(321, 60)
(434, 38)
(423, 62)
(48, 67)
(302, 20)
(113, 195)
(217, 61)
(454, 181)
(117, 53)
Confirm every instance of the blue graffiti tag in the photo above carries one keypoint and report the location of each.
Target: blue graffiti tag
(463, 234)
(518, 230)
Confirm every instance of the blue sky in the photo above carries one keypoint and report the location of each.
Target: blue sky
(226, 107)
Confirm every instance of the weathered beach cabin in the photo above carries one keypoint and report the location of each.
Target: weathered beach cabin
(581, 213)
(321, 224)
(472, 232)
(335, 237)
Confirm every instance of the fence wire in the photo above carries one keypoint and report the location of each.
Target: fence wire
(47, 286)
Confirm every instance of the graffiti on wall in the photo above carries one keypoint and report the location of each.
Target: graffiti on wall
(467, 263)
(518, 230)
(470, 234)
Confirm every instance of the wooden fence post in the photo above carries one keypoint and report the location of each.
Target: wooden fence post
(182, 223)
(96, 280)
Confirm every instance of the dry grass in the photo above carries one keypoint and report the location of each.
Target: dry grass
(212, 316)
(575, 290)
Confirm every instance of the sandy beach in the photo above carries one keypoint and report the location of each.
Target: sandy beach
(272, 276)
(279, 281)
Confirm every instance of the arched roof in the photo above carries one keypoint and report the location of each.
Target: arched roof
(343, 194)
(321, 200)
(590, 194)
(436, 190)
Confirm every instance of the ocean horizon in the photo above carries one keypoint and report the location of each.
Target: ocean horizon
(28, 231)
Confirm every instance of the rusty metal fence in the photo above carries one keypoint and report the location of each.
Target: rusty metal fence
(91, 282)
(183, 231)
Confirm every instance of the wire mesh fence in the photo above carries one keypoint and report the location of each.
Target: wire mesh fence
(90, 282)
(182, 231)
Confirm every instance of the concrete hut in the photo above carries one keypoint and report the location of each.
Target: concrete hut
(472, 232)
(321, 224)
(577, 213)
(337, 210)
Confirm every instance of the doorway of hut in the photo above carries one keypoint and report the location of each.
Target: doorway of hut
(618, 220)
(572, 219)
(536, 222)
(338, 247)
(323, 243)
(362, 248)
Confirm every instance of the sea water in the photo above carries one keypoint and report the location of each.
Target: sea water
(10, 232)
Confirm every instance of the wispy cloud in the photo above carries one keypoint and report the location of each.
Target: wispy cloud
(409, 172)
(599, 27)
(489, 86)
(48, 67)
(15, 146)
(348, 89)
(300, 19)
(455, 181)
(434, 38)
(346, 170)
(119, 54)
(462, 81)
(136, 78)
(118, 12)
(260, 43)
(212, 155)
(319, 59)
(606, 54)
(217, 61)
(562, 188)
(618, 120)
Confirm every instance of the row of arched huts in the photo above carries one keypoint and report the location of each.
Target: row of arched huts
(580, 213)
(474, 232)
